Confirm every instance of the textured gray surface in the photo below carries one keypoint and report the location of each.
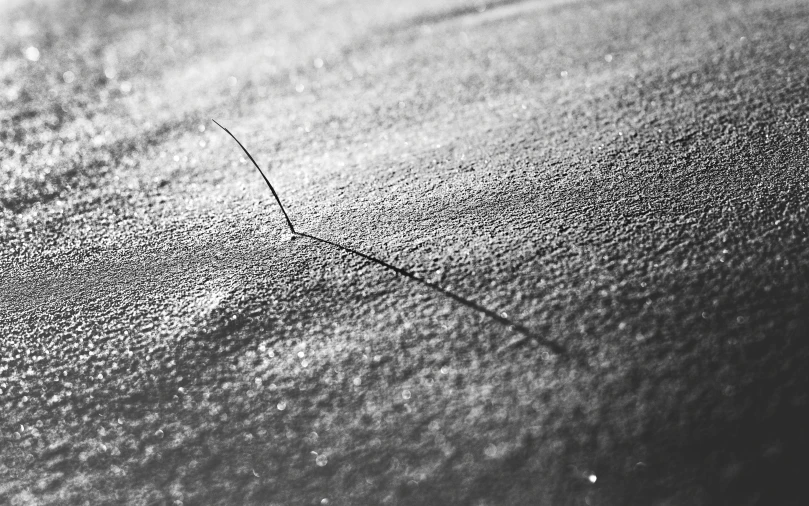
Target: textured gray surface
(626, 178)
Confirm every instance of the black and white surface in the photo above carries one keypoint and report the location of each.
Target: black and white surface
(626, 180)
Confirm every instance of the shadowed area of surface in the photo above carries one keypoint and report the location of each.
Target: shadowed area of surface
(625, 178)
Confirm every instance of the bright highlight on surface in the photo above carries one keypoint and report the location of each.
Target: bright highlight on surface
(31, 53)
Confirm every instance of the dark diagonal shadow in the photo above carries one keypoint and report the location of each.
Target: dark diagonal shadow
(555, 347)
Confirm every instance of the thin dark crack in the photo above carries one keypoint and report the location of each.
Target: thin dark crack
(526, 333)
(289, 223)
(555, 347)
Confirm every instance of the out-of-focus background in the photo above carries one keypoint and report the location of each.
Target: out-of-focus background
(627, 179)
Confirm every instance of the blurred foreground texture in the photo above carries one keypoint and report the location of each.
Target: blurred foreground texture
(629, 179)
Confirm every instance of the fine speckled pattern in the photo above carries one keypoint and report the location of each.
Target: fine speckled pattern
(628, 179)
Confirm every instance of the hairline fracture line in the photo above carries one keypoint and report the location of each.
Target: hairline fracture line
(555, 347)
(274, 194)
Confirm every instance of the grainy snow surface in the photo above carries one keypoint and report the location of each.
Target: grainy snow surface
(629, 179)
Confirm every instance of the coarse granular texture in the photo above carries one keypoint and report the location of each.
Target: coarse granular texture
(628, 179)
